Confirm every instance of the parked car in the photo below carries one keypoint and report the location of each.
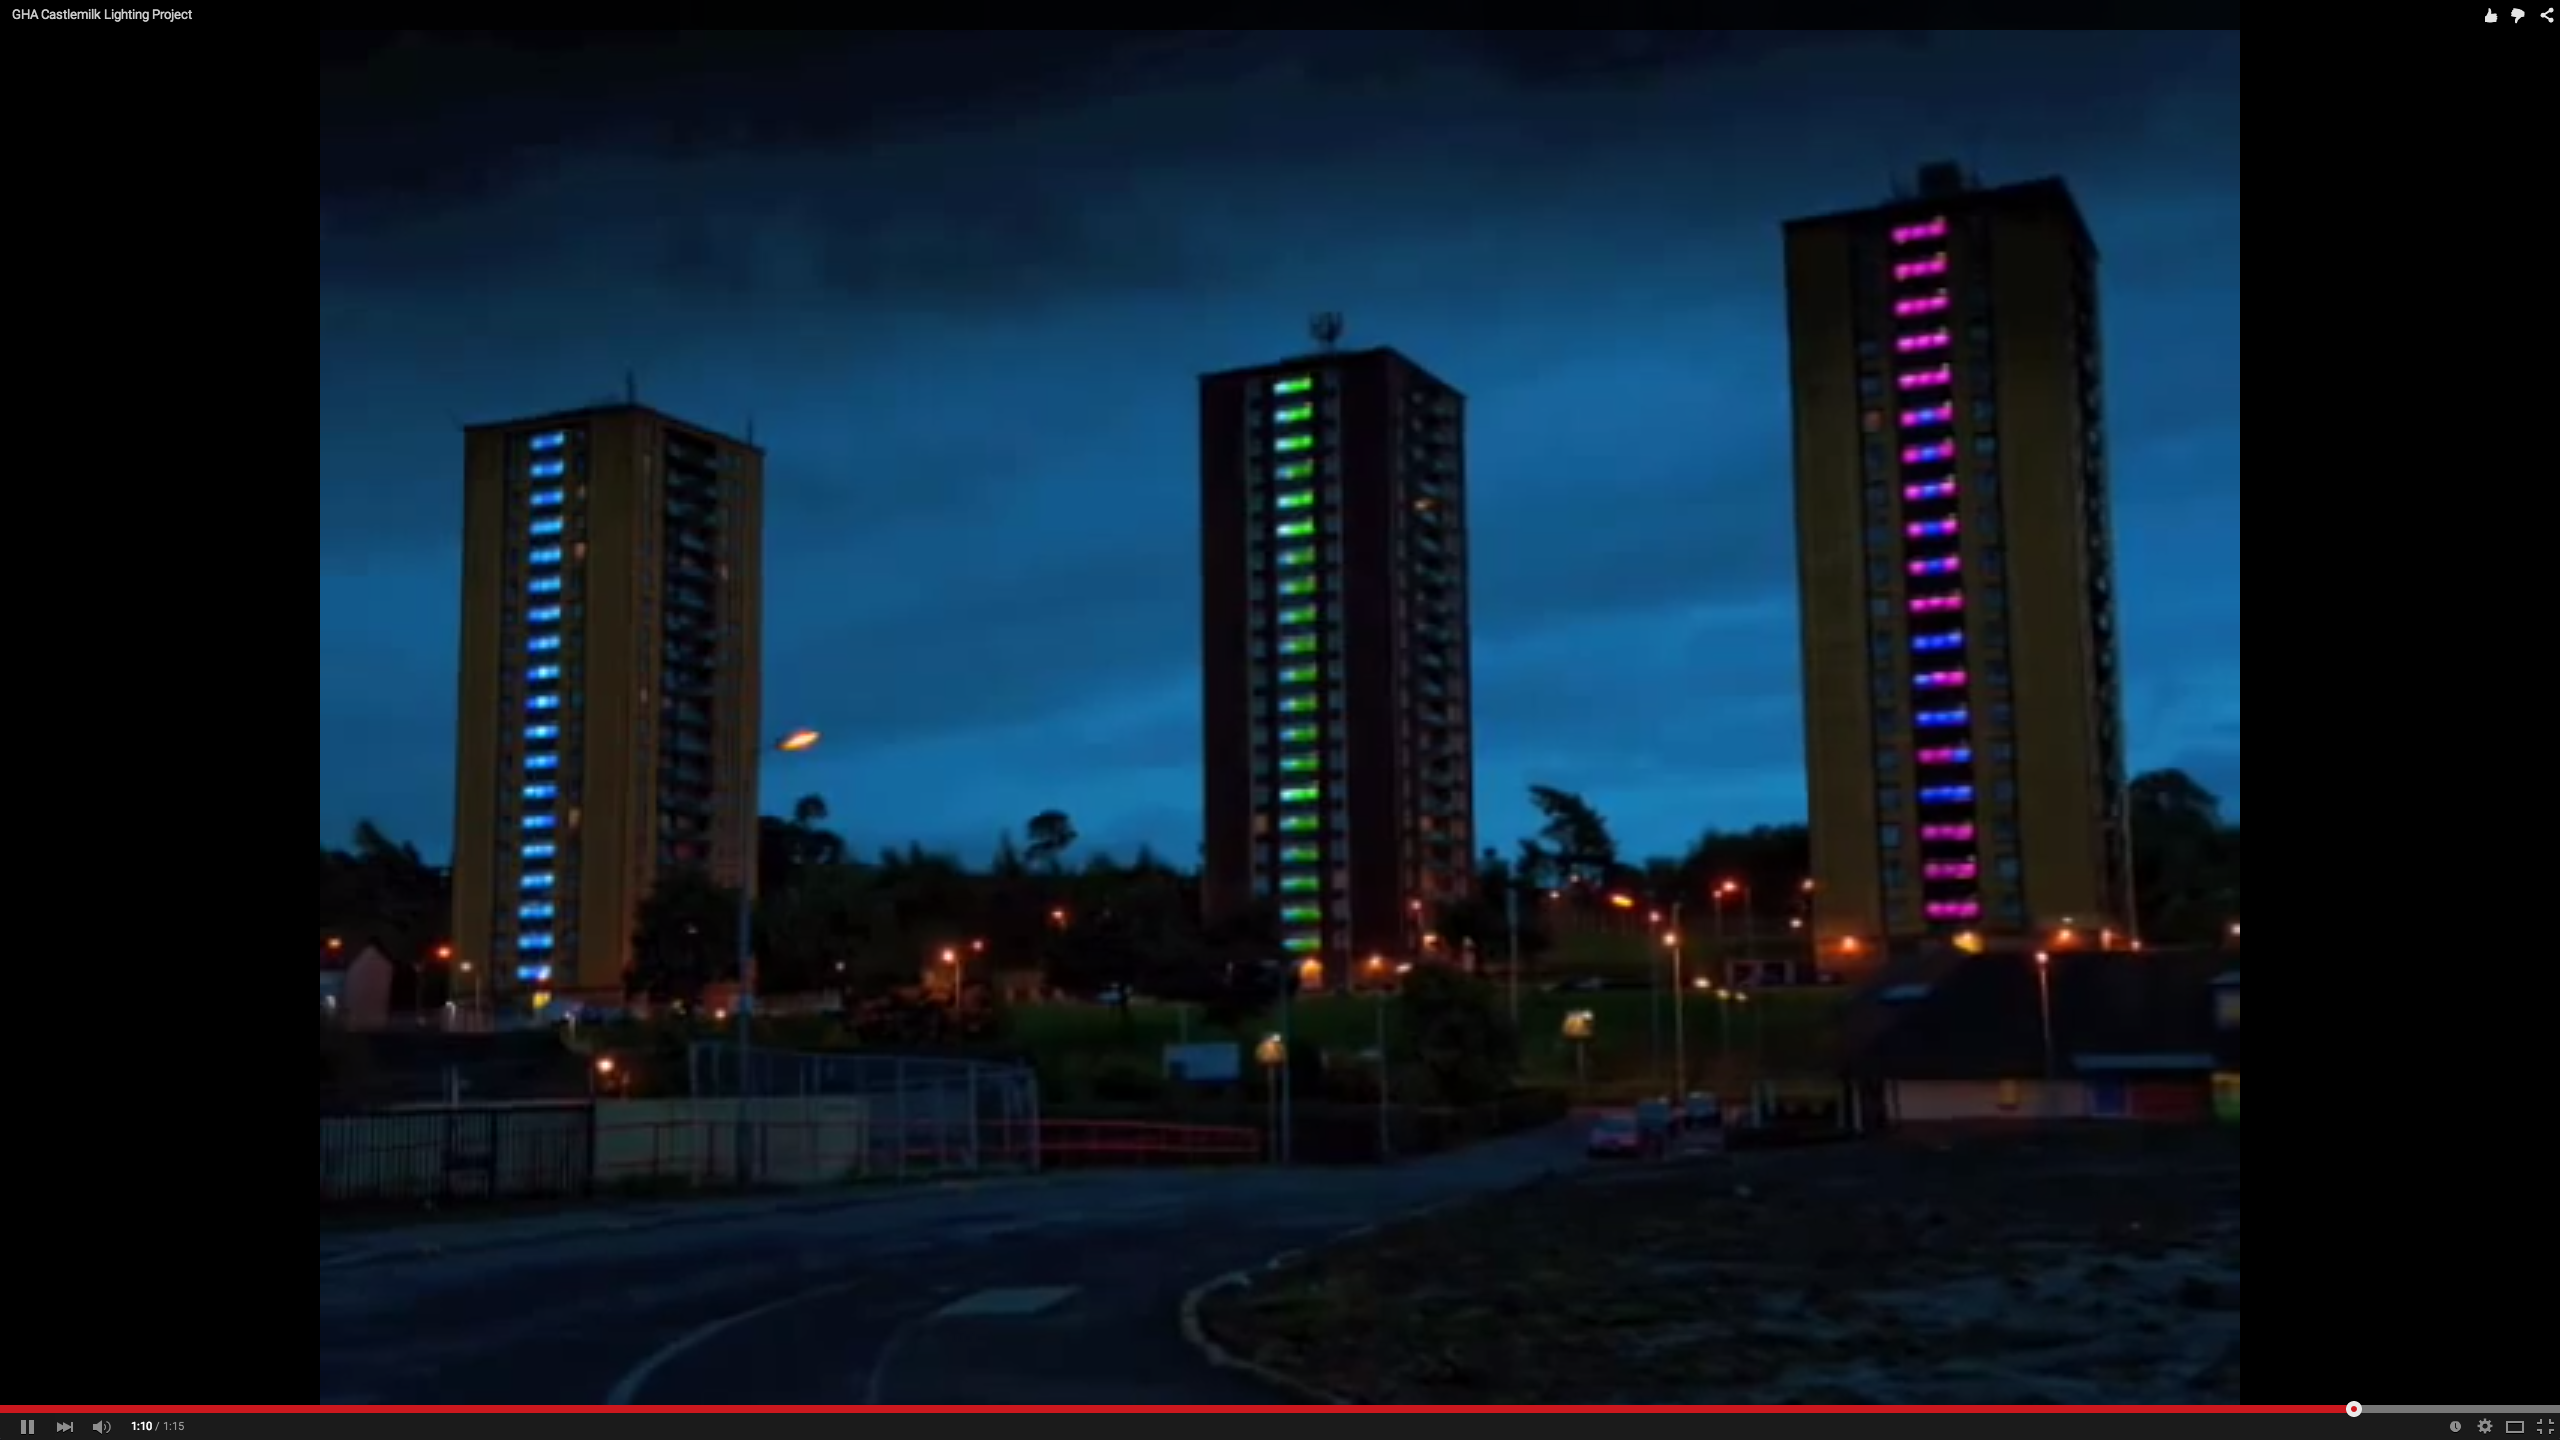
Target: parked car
(1616, 1136)
(1701, 1111)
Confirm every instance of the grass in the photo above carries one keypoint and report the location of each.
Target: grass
(2058, 1266)
(1776, 1030)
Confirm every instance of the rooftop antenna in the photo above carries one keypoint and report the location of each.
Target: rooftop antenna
(1326, 326)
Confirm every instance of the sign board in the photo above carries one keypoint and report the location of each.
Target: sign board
(1204, 1063)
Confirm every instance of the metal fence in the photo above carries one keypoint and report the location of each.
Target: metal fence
(457, 1154)
(908, 1114)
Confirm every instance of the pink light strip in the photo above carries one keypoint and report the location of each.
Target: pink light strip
(1920, 305)
(1946, 832)
(1925, 230)
(1936, 604)
(1925, 379)
(1913, 344)
(1920, 269)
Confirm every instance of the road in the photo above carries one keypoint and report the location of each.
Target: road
(1052, 1291)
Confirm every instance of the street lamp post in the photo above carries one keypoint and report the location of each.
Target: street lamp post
(2044, 1008)
(790, 744)
(1511, 927)
(1577, 1032)
(1386, 1140)
(1679, 1010)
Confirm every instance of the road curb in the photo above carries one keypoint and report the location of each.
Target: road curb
(362, 1256)
(1195, 1330)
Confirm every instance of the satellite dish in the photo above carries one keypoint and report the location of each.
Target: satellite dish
(1326, 326)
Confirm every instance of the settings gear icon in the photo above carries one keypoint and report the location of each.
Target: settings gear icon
(2488, 1425)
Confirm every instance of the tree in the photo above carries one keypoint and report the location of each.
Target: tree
(382, 892)
(687, 938)
(1574, 836)
(833, 930)
(1051, 834)
(1453, 1026)
(2186, 862)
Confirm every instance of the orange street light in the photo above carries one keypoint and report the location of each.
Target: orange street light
(950, 957)
(1728, 887)
(444, 952)
(604, 1064)
(1058, 918)
(1623, 902)
(335, 943)
(797, 740)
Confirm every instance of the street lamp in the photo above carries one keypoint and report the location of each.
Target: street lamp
(791, 743)
(2044, 1007)
(1679, 1008)
(1272, 1053)
(1577, 1033)
(1377, 968)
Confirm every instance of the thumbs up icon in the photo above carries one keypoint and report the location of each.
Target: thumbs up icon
(2491, 17)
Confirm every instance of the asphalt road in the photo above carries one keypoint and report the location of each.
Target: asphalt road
(1048, 1292)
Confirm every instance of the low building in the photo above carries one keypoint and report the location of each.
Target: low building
(2124, 1035)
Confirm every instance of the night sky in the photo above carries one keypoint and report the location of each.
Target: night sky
(962, 287)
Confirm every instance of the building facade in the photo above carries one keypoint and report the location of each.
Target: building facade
(1338, 756)
(609, 687)
(1964, 736)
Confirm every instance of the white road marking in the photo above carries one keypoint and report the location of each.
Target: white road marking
(626, 1390)
(1029, 1300)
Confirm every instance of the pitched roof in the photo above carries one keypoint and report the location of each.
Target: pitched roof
(1980, 1020)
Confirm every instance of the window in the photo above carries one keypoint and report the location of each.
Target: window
(1889, 837)
(1298, 644)
(535, 940)
(1295, 470)
(1888, 761)
(1986, 444)
(2226, 1013)
(549, 469)
(1291, 444)
(548, 440)
(1890, 798)
(539, 850)
(535, 910)
(540, 673)
(542, 732)
(1293, 529)
(1984, 411)
(543, 702)
(1870, 387)
(1298, 558)
(1300, 675)
(542, 761)
(1869, 350)
(1295, 500)
(545, 499)
(541, 643)
(1880, 607)
(551, 525)
(2007, 867)
(1294, 385)
(544, 585)
(1895, 877)
(1298, 585)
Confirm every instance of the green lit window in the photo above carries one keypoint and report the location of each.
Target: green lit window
(1298, 615)
(1302, 795)
(1297, 734)
(1300, 884)
(1298, 585)
(1300, 824)
(1297, 854)
(1294, 529)
(1294, 385)
(1298, 644)
(1293, 414)
(1291, 559)
(1298, 705)
(1300, 764)
(1296, 500)
(1302, 914)
(1304, 944)
(1300, 674)
(1291, 444)
(1296, 470)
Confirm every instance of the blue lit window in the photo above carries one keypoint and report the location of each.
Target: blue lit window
(544, 791)
(542, 822)
(547, 469)
(544, 761)
(548, 525)
(544, 585)
(540, 673)
(534, 940)
(548, 440)
(539, 850)
(542, 732)
(543, 642)
(543, 615)
(547, 555)
(538, 879)
(543, 702)
(534, 974)
(534, 910)
(545, 499)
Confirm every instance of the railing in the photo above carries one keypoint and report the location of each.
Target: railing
(455, 1154)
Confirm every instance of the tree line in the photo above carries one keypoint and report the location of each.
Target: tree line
(1091, 922)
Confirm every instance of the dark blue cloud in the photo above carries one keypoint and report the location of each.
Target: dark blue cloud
(964, 309)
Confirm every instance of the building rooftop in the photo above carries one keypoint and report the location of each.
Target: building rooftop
(1332, 357)
(614, 410)
(1942, 183)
